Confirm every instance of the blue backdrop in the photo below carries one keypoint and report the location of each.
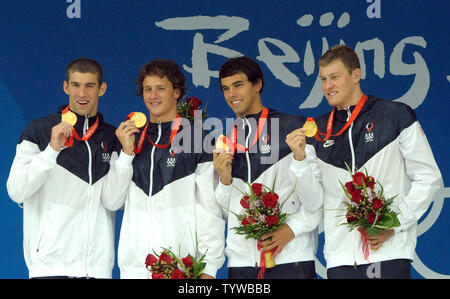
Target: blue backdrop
(403, 47)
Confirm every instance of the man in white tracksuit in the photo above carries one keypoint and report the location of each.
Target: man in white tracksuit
(167, 192)
(265, 158)
(385, 138)
(67, 232)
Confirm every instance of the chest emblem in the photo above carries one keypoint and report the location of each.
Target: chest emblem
(171, 160)
(369, 134)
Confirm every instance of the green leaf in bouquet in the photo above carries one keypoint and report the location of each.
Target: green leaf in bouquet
(274, 180)
(388, 221)
(348, 169)
(373, 231)
(290, 194)
(364, 187)
(239, 217)
(243, 193)
(381, 190)
(197, 265)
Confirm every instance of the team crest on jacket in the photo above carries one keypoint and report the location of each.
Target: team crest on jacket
(369, 133)
(171, 160)
(264, 147)
(105, 155)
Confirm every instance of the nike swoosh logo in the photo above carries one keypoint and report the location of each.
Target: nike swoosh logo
(328, 143)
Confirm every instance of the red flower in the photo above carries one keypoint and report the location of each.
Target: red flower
(358, 178)
(150, 260)
(166, 258)
(377, 204)
(370, 182)
(350, 217)
(245, 222)
(187, 261)
(191, 111)
(272, 220)
(372, 217)
(157, 276)
(194, 102)
(244, 202)
(357, 196)
(177, 274)
(270, 200)
(350, 187)
(257, 188)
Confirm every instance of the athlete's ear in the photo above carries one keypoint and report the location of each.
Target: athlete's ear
(102, 89)
(258, 85)
(356, 75)
(176, 93)
(66, 87)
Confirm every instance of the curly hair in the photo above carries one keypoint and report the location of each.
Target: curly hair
(161, 68)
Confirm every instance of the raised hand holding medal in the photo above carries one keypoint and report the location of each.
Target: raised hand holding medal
(63, 131)
(127, 130)
(69, 117)
(310, 126)
(296, 140)
(221, 144)
(139, 119)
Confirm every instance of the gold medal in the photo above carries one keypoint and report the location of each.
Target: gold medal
(69, 117)
(139, 119)
(221, 145)
(310, 126)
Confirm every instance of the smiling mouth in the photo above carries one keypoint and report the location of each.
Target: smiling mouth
(332, 93)
(235, 102)
(82, 102)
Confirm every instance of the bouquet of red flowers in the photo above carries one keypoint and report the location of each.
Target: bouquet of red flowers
(187, 107)
(368, 210)
(262, 214)
(168, 266)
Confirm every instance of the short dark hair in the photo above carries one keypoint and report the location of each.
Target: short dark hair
(242, 64)
(161, 68)
(85, 65)
(342, 53)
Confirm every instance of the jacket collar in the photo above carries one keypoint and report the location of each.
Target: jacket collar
(342, 114)
(82, 118)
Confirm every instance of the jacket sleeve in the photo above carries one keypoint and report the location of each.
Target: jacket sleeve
(29, 170)
(222, 194)
(423, 173)
(304, 221)
(309, 187)
(210, 224)
(117, 181)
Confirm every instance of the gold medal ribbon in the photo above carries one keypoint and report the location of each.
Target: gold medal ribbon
(86, 136)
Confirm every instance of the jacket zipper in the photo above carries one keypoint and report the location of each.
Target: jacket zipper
(85, 128)
(152, 160)
(249, 167)
(42, 234)
(247, 156)
(352, 151)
